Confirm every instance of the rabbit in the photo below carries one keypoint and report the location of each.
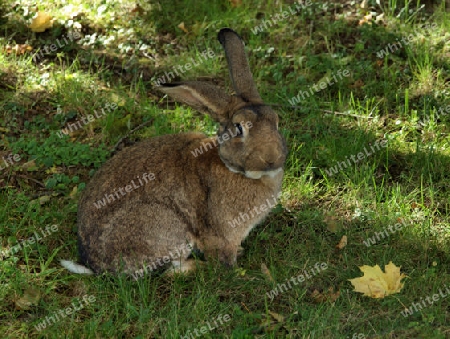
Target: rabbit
(188, 189)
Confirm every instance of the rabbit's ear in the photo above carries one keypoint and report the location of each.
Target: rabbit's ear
(202, 96)
(240, 74)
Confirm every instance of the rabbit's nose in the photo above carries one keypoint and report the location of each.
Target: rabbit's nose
(270, 161)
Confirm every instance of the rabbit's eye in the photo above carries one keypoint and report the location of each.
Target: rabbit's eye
(238, 129)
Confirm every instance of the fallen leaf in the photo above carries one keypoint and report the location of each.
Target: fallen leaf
(367, 19)
(181, 26)
(235, 3)
(357, 84)
(41, 22)
(379, 19)
(138, 9)
(266, 272)
(30, 166)
(272, 321)
(377, 284)
(414, 205)
(328, 295)
(74, 192)
(18, 49)
(276, 316)
(342, 243)
(30, 298)
(44, 199)
(240, 271)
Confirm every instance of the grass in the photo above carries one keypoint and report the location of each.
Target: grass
(124, 48)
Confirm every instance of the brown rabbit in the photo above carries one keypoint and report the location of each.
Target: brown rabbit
(186, 191)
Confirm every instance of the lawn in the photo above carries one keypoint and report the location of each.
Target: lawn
(363, 95)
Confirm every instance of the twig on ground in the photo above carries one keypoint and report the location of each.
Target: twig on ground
(322, 110)
(114, 149)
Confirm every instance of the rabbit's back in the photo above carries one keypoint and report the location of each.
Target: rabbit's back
(140, 203)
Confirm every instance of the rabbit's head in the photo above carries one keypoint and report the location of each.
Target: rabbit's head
(248, 137)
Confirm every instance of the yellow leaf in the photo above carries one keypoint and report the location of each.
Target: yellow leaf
(342, 243)
(182, 27)
(74, 192)
(377, 284)
(276, 316)
(18, 49)
(367, 19)
(41, 22)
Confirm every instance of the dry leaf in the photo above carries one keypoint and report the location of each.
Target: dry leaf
(30, 298)
(415, 205)
(357, 84)
(342, 243)
(74, 192)
(379, 19)
(240, 271)
(181, 26)
(18, 49)
(367, 19)
(363, 4)
(269, 324)
(138, 9)
(276, 316)
(377, 284)
(41, 22)
(328, 295)
(30, 166)
(235, 3)
(266, 272)
(44, 199)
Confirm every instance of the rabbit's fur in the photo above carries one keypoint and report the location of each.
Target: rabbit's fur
(187, 201)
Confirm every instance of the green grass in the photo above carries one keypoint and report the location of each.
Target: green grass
(122, 52)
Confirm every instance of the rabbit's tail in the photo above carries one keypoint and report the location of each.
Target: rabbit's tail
(75, 268)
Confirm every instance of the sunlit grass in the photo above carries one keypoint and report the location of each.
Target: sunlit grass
(124, 50)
